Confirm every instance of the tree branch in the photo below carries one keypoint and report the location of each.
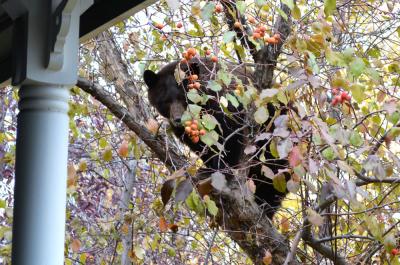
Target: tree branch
(242, 219)
(172, 158)
(267, 57)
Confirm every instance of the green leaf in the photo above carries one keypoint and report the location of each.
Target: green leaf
(139, 252)
(329, 7)
(214, 85)
(228, 36)
(357, 67)
(224, 77)
(334, 58)
(394, 118)
(209, 122)
(194, 109)
(312, 62)
(194, 96)
(211, 206)
(329, 154)
(186, 116)
(208, 10)
(171, 252)
(260, 2)
(279, 183)
(394, 132)
(102, 143)
(241, 6)
(107, 155)
(232, 99)
(2, 204)
(273, 149)
(282, 14)
(261, 115)
(289, 3)
(210, 138)
(194, 203)
(296, 13)
(373, 75)
(357, 92)
(356, 139)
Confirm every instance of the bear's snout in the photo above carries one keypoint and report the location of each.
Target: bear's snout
(175, 113)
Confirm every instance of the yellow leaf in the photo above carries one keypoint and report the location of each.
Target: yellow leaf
(107, 155)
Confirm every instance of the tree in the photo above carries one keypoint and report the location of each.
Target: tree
(337, 63)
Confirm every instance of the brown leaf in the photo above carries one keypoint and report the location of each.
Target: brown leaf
(267, 259)
(166, 190)
(125, 229)
(173, 227)
(285, 225)
(124, 149)
(295, 157)
(152, 125)
(204, 187)
(72, 177)
(163, 224)
(75, 245)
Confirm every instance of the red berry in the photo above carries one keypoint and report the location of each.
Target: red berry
(277, 36)
(335, 91)
(218, 8)
(336, 100)
(214, 59)
(208, 52)
(344, 96)
(191, 51)
(394, 251)
(251, 19)
(179, 25)
(196, 85)
(195, 139)
(237, 25)
(256, 35)
(159, 25)
(194, 126)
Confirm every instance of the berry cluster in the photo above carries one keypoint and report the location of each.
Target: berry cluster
(339, 96)
(194, 84)
(192, 129)
(259, 33)
(188, 55)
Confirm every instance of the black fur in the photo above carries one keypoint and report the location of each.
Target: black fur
(165, 91)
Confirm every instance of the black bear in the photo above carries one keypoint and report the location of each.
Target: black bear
(168, 94)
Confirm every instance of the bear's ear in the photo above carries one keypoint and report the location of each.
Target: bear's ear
(150, 78)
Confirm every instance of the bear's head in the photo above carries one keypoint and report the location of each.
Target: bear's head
(166, 94)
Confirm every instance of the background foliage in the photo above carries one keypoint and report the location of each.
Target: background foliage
(343, 152)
